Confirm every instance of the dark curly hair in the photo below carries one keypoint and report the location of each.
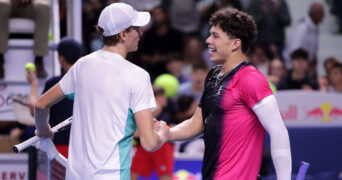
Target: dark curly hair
(299, 54)
(236, 24)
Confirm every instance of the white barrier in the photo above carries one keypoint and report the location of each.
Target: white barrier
(310, 108)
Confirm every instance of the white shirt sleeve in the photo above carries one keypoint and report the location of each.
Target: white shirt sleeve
(68, 80)
(268, 113)
(142, 94)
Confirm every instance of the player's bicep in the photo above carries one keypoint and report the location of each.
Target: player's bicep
(268, 114)
(143, 119)
(52, 96)
(67, 83)
(141, 94)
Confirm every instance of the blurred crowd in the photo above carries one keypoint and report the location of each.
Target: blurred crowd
(174, 43)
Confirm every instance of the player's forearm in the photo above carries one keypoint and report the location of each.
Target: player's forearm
(281, 154)
(33, 96)
(41, 118)
(186, 130)
(151, 144)
(268, 113)
(160, 140)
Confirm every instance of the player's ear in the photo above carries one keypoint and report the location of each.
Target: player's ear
(236, 44)
(123, 34)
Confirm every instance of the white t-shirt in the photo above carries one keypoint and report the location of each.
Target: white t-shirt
(304, 35)
(107, 90)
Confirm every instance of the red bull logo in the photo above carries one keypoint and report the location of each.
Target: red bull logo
(184, 175)
(326, 112)
(290, 114)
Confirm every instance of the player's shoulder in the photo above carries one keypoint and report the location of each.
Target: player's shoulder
(250, 74)
(135, 71)
(249, 70)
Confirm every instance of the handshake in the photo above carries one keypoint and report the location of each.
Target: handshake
(162, 130)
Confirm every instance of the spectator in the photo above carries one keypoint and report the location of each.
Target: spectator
(174, 66)
(162, 160)
(186, 107)
(305, 35)
(271, 16)
(323, 84)
(39, 11)
(158, 42)
(256, 56)
(69, 51)
(276, 71)
(328, 64)
(336, 9)
(184, 16)
(298, 77)
(193, 54)
(335, 78)
(196, 85)
(142, 5)
(90, 14)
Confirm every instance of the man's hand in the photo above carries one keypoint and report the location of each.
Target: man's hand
(32, 77)
(48, 133)
(162, 130)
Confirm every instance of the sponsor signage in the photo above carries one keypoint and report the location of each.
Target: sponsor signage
(14, 166)
(310, 108)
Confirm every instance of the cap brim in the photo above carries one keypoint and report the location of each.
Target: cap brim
(143, 19)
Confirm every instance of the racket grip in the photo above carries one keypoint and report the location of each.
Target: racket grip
(302, 170)
(19, 147)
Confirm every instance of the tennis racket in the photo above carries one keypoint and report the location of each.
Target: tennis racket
(21, 111)
(59, 127)
(302, 170)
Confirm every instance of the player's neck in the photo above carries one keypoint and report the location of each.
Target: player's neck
(116, 49)
(232, 62)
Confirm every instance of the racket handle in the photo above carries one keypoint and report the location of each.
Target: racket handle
(19, 147)
(62, 125)
(302, 170)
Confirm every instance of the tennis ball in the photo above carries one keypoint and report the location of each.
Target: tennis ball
(272, 86)
(51, 36)
(169, 83)
(30, 66)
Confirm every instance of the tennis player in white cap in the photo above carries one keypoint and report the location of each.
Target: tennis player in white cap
(111, 98)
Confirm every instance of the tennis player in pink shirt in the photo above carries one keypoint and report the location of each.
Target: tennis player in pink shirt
(236, 108)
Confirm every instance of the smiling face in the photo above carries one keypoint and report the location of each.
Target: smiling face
(220, 45)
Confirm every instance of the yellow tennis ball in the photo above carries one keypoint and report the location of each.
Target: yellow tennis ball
(30, 66)
(169, 83)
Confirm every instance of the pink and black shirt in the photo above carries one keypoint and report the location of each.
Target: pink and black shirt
(233, 135)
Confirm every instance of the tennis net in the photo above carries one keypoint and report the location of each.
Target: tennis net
(50, 170)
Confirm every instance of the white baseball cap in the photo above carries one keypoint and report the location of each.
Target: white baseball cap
(119, 16)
